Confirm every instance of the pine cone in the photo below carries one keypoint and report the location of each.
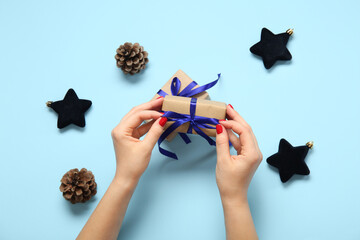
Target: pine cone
(78, 186)
(131, 58)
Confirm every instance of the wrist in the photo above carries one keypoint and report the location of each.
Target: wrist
(127, 184)
(234, 200)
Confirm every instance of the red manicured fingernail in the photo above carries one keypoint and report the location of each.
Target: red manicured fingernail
(219, 129)
(162, 113)
(162, 121)
(221, 120)
(159, 97)
(231, 106)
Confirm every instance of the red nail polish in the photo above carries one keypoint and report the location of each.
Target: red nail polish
(221, 120)
(162, 113)
(162, 121)
(231, 106)
(159, 97)
(219, 129)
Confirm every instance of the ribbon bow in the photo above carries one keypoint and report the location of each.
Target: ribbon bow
(188, 91)
(196, 122)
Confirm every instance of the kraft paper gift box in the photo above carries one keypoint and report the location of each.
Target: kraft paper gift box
(185, 81)
(204, 108)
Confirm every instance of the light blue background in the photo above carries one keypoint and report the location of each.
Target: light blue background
(47, 47)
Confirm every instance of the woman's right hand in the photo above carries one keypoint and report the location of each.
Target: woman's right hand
(234, 172)
(132, 154)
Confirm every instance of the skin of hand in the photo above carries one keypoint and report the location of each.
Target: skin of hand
(133, 155)
(234, 173)
(132, 158)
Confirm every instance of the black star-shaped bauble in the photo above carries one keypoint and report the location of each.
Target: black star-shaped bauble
(70, 110)
(272, 47)
(290, 160)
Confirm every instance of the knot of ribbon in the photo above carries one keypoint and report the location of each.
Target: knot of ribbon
(196, 122)
(188, 91)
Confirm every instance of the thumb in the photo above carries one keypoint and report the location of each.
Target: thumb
(222, 143)
(155, 131)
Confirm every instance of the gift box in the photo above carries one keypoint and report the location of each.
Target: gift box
(182, 85)
(204, 108)
(190, 115)
(185, 80)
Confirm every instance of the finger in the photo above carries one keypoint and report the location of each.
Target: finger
(128, 125)
(235, 141)
(245, 136)
(143, 129)
(155, 132)
(151, 105)
(222, 143)
(234, 115)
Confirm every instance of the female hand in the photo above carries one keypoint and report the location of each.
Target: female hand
(133, 154)
(132, 158)
(234, 172)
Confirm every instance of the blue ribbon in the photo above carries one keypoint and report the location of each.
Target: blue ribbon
(188, 91)
(196, 122)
